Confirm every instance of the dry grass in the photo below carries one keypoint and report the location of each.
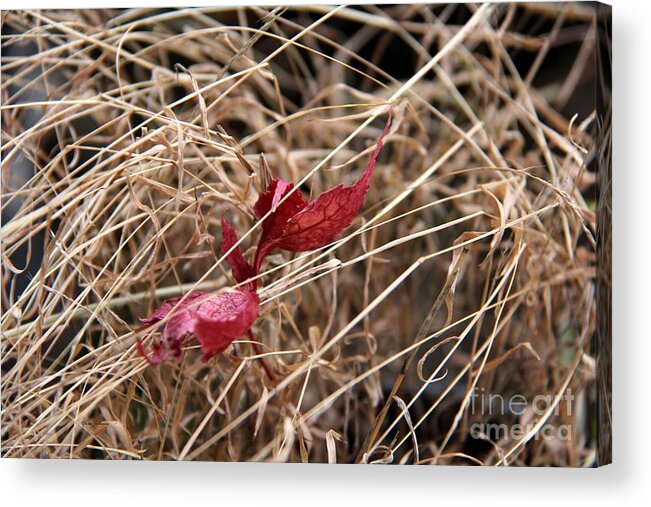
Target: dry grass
(471, 268)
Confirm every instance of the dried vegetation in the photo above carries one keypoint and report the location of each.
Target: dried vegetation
(127, 135)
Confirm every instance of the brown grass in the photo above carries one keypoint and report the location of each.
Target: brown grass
(471, 268)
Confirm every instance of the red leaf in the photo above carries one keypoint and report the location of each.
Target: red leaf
(242, 270)
(224, 318)
(274, 225)
(161, 311)
(297, 225)
(215, 320)
(181, 324)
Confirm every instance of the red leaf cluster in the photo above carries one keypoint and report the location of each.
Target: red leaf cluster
(297, 225)
(216, 320)
(290, 223)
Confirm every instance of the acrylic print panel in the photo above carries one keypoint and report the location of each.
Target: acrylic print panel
(317, 234)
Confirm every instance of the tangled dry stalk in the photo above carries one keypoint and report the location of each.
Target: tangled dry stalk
(126, 135)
